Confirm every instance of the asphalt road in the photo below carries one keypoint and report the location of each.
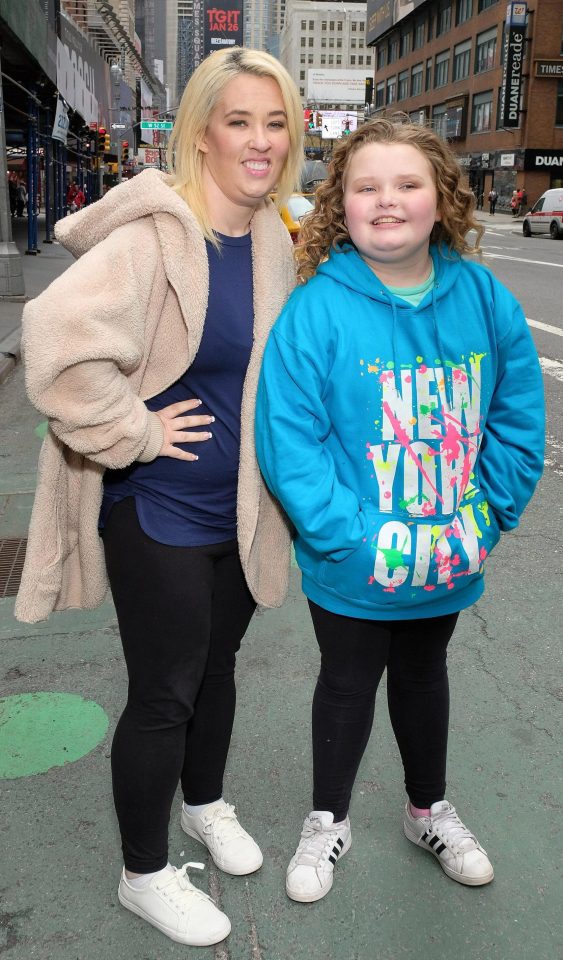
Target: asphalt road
(532, 268)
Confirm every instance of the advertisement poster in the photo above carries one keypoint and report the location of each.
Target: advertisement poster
(223, 24)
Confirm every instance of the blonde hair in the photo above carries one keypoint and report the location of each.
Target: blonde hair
(202, 94)
(325, 228)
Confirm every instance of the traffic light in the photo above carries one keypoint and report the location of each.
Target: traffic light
(318, 121)
(308, 121)
(107, 143)
(102, 133)
(369, 91)
(124, 151)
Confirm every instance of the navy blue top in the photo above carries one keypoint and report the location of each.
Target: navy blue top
(191, 503)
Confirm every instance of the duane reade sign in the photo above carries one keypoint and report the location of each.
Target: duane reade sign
(514, 42)
(336, 86)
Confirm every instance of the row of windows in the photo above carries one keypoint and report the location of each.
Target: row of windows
(482, 106)
(355, 26)
(332, 43)
(414, 35)
(333, 60)
(485, 54)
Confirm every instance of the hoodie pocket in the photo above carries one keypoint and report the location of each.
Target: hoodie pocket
(404, 560)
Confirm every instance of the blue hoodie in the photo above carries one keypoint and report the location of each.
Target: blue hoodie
(400, 440)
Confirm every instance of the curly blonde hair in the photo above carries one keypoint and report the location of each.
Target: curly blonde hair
(324, 228)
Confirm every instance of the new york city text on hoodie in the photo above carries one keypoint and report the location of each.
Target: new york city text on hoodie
(400, 440)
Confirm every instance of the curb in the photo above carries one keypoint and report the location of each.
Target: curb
(10, 353)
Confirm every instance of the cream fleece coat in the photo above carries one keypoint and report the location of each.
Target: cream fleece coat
(119, 326)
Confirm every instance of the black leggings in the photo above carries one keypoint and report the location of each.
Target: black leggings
(182, 613)
(354, 654)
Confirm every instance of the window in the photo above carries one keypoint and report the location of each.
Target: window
(430, 23)
(354, 26)
(331, 59)
(303, 24)
(338, 60)
(323, 25)
(302, 58)
(331, 42)
(559, 107)
(442, 69)
(440, 119)
(482, 112)
(464, 11)
(323, 59)
(323, 42)
(485, 50)
(340, 26)
(406, 43)
(360, 61)
(362, 26)
(462, 57)
(403, 88)
(339, 43)
(368, 61)
(310, 58)
(302, 91)
(303, 41)
(353, 43)
(311, 24)
(391, 89)
(301, 74)
(380, 94)
(416, 79)
(429, 73)
(419, 34)
(444, 19)
(311, 41)
(331, 25)
(381, 56)
(393, 50)
(352, 61)
(485, 4)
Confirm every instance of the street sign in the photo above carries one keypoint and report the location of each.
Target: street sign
(156, 124)
(119, 126)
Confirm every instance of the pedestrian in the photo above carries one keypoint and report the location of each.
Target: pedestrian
(70, 195)
(145, 355)
(400, 424)
(493, 197)
(480, 199)
(522, 200)
(13, 193)
(515, 203)
(78, 200)
(21, 198)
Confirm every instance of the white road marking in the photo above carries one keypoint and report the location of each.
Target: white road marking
(546, 327)
(553, 367)
(541, 263)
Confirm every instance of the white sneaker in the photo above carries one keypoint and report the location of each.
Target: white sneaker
(172, 904)
(456, 849)
(310, 871)
(232, 848)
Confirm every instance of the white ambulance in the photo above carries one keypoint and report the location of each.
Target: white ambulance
(546, 216)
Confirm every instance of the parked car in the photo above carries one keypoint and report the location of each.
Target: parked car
(297, 207)
(546, 216)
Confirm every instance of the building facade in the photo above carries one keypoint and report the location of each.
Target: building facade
(495, 93)
(320, 34)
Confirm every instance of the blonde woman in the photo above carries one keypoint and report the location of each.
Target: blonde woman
(145, 357)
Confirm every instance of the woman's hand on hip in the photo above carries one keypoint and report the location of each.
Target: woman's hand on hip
(179, 428)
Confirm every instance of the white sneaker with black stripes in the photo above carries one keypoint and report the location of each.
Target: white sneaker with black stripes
(310, 871)
(456, 849)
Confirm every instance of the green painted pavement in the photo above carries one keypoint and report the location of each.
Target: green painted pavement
(43, 730)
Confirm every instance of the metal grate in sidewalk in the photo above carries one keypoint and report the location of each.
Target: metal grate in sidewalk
(12, 556)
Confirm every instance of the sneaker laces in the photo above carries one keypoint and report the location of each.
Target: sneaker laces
(178, 884)
(453, 831)
(222, 823)
(315, 843)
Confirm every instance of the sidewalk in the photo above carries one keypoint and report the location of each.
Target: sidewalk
(391, 901)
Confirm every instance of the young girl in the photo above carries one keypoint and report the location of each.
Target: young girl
(400, 424)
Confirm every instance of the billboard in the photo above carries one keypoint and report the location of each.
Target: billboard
(514, 43)
(336, 86)
(381, 15)
(223, 25)
(337, 123)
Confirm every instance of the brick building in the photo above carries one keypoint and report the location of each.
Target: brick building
(495, 94)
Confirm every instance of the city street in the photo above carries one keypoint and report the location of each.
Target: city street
(61, 858)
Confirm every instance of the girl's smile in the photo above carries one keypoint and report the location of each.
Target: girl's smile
(390, 207)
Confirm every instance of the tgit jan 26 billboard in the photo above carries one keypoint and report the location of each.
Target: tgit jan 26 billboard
(381, 15)
(223, 24)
